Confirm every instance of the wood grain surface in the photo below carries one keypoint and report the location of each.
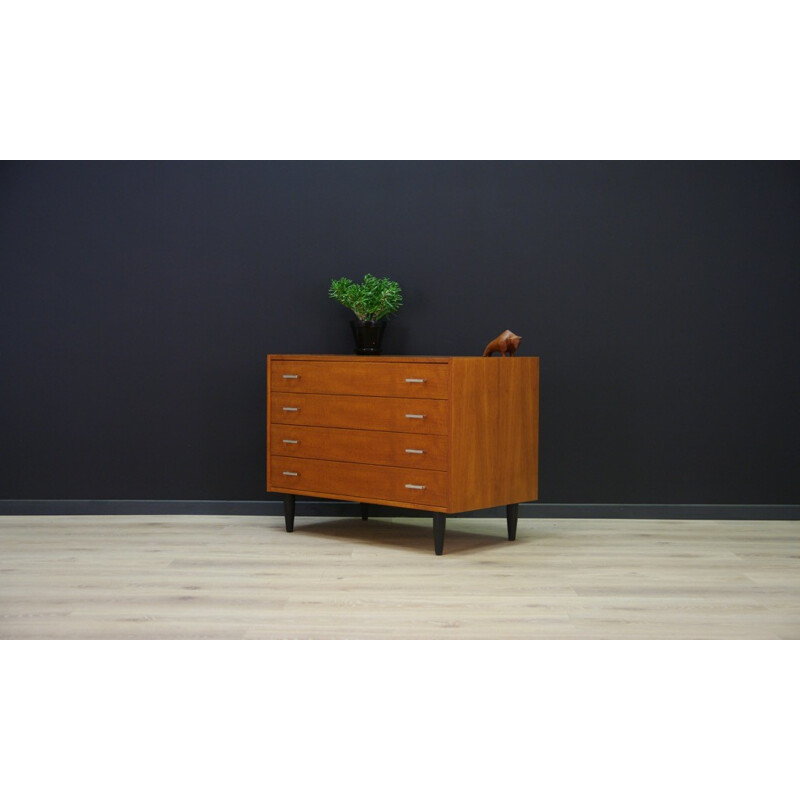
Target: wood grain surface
(418, 450)
(227, 577)
(388, 379)
(367, 413)
(358, 481)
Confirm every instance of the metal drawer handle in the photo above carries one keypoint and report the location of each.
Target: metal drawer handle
(409, 380)
(417, 452)
(410, 486)
(289, 408)
(292, 474)
(411, 416)
(290, 441)
(291, 377)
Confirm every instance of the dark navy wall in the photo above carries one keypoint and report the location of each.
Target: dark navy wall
(139, 301)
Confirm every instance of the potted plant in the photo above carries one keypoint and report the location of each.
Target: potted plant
(371, 301)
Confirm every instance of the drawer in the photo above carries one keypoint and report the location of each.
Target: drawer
(404, 379)
(360, 481)
(401, 414)
(416, 450)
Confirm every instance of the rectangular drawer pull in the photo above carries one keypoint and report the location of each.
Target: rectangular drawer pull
(292, 474)
(291, 377)
(416, 452)
(408, 485)
(409, 380)
(290, 408)
(290, 441)
(411, 416)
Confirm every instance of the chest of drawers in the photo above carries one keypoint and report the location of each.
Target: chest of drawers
(441, 434)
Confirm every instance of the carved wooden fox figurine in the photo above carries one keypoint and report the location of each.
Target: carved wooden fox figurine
(506, 344)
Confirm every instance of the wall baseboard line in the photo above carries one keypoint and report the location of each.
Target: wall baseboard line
(333, 508)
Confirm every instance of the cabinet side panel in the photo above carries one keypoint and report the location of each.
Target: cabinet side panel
(518, 432)
(269, 362)
(474, 434)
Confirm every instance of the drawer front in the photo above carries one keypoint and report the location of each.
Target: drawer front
(421, 451)
(407, 415)
(400, 484)
(351, 377)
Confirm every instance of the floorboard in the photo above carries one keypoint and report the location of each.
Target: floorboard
(235, 577)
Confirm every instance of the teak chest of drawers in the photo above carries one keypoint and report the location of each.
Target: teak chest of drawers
(442, 434)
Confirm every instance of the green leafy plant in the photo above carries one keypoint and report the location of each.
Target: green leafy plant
(371, 299)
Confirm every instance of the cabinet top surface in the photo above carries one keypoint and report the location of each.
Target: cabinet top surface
(381, 359)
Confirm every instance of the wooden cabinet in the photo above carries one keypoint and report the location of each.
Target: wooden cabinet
(442, 434)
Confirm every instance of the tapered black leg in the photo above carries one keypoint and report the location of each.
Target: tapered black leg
(438, 532)
(288, 511)
(512, 514)
(364, 511)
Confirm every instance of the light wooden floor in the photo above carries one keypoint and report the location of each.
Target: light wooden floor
(218, 577)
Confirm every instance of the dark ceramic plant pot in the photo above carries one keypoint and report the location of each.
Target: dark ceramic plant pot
(368, 336)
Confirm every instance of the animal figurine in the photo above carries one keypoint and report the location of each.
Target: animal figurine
(506, 344)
